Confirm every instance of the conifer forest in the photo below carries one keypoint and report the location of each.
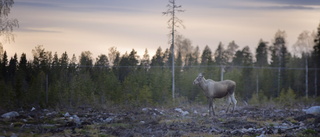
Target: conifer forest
(52, 80)
(55, 93)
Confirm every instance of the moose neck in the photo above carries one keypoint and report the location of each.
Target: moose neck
(203, 84)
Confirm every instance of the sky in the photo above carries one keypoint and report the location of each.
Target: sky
(74, 26)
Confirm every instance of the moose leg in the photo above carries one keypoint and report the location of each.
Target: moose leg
(228, 103)
(234, 102)
(212, 107)
(210, 100)
(210, 104)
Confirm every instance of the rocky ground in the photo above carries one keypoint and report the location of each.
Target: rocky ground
(175, 121)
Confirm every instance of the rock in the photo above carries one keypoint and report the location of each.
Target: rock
(109, 119)
(145, 109)
(315, 110)
(14, 135)
(76, 119)
(152, 111)
(205, 114)
(33, 109)
(11, 114)
(159, 112)
(45, 110)
(51, 113)
(183, 113)
(66, 114)
(195, 112)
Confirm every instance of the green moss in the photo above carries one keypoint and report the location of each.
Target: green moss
(308, 133)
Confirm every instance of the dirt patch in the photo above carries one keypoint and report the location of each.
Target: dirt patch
(191, 121)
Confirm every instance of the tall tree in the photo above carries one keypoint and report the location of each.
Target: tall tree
(219, 55)
(221, 59)
(173, 22)
(303, 47)
(262, 54)
(279, 57)
(113, 54)
(167, 58)
(64, 60)
(86, 60)
(4, 63)
(261, 61)
(184, 46)
(73, 64)
(247, 62)
(23, 78)
(237, 60)
(133, 58)
(230, 51)
(145, 61)
(12, 68)
(196, 55)
(41, 59)
(157, 59)
(206, 57)
(128, 64)
(316, 59)
(102, 61)
(23, 63)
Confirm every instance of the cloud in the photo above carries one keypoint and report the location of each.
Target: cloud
(295, 2)
(124, 6)
(256, 4)
(289, 7)
(286, 4)
(45, 30)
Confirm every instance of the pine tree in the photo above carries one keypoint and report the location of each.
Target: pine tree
(237, 60)
(157, 59)
(230, 51)
(4, 63)
(206, 57)
(316, 60)
(12, 68)
(145, 61)
(279, 59)
(128, 64)
(41, 59)
(247, 83)
(102, 61)
(86, 61)
(220, 56)
(262, 54)
(64, 60)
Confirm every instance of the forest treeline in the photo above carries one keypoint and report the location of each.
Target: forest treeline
(52, 80)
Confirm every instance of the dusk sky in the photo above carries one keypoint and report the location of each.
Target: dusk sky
(96, 25)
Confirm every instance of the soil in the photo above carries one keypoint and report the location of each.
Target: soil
(245, 121)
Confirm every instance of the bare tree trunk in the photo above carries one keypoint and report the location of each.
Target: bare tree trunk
(173, 23)
(173, 8)
(279, 77)
(316, 83)
(222, 73)
(306, 77)
(47, 89)
(257, 84)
